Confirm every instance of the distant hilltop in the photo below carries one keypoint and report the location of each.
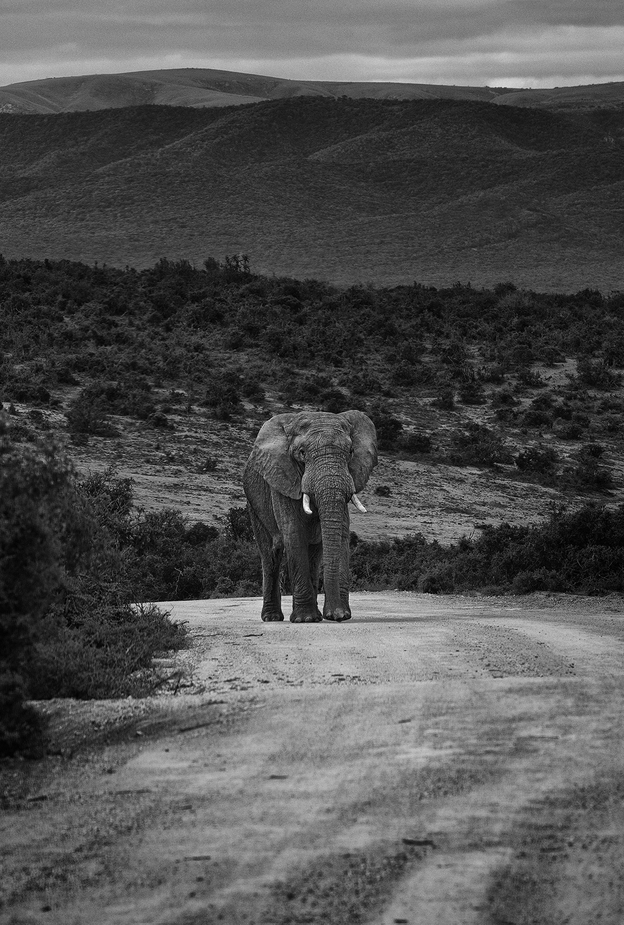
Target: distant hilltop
(206, 87)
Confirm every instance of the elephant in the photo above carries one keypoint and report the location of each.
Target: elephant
(303, 470)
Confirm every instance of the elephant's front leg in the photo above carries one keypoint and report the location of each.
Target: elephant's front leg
(304, 590)
(299, 530)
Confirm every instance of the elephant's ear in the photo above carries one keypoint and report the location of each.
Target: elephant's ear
(364, 439)
(271, 457)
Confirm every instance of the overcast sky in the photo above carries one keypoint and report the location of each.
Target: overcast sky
(514, 43)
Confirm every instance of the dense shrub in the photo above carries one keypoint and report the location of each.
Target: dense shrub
(477, 445)
(540, 459)
(597, 375)
(586, 473)
(42, 534)
(580, 551)
(87, 416)
(388, 428)
(445, 398)
(67, 624)
(472, 393)
(415, 442)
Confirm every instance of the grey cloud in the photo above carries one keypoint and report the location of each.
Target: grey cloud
(260, 27)
(200, 31)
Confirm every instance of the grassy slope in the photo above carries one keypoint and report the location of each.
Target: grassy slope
(349, 189)
(203, 87)
(207, 87)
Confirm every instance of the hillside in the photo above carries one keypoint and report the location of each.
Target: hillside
(348, 190)
(207, 87)
(490, 405)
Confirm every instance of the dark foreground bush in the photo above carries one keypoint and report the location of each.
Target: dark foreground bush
(103, 652)
(67, 624)
(580, 551)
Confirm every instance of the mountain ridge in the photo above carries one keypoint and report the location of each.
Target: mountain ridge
(211, 87)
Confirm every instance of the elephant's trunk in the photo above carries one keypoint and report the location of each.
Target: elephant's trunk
(331, 500)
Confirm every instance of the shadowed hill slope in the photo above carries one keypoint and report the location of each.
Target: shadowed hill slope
(380, 190)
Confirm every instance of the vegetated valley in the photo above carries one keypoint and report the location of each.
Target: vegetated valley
(351, 190)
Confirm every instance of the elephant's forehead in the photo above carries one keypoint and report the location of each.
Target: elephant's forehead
(325, 437)
(306, 420)
(321, 429)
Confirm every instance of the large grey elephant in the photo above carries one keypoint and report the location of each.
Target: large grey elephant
(302, 472)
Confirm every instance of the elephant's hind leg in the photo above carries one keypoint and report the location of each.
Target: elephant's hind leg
(271, 553)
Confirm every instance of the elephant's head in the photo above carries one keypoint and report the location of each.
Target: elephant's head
(324, 460)
(313, 454)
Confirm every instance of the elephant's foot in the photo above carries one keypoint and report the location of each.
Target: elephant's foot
(301, 615)
(338, 614)
(271, 615)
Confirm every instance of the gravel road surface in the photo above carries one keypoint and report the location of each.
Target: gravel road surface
(435, 761)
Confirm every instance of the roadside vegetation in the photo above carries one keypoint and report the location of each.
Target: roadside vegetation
(68, 624)
(579, 552)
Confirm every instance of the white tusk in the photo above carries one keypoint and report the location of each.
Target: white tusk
(358, 503)
(306, 504)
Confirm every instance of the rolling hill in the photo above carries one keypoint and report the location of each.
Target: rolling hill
(345, 189)
(207, 87)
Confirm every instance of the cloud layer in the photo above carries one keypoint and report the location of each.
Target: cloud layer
(502, 42)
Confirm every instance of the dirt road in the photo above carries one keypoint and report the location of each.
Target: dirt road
(441, 761)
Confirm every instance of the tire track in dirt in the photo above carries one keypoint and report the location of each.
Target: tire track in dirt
(379, 771)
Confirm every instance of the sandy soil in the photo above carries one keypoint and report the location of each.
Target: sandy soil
(435, 760)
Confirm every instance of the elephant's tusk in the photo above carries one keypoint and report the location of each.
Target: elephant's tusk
(358, 503)
(306, 504)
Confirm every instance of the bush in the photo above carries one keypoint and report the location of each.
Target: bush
(21, 727)
(538, 459)
(335, 401)
(597, 375)
(67, 625)
(88, 412)
(445, 399)
(536, 417)
(587, 475)
(103, 651)
(477, 445)
(87, 416)
(580, 551)
(472, 393)
(224, 393)
(570, 430)
(415, 442)
(388, 428)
